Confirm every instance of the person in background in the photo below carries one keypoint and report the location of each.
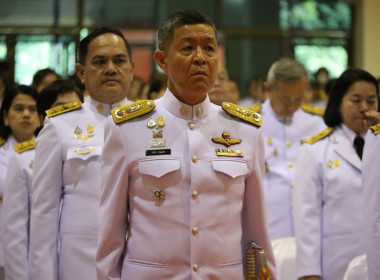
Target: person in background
(328, 194)
(136, 89)
(233, 93)
(157, 85)
(218, 93)
(18, 123)
(66, 178)
(371, 190)
(285, 124)
(44, 77)
(175, 205)
(257, 93)
(17, 188)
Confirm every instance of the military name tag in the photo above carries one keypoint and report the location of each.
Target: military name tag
(229, 153)
(158, 152)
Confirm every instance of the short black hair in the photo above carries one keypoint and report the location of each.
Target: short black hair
(50, 93)
(178, 19)
(40, 75)
(83, 46)
(332, 116)
(9, 94)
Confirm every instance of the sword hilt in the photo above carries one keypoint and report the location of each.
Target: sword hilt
(251, 269)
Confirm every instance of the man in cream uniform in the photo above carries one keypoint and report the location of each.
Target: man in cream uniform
(175, 203)
(66, 180)
(371, 189)
(285, 124)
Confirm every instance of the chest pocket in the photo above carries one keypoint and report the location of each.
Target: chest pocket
(158, 167)
(83, 152)
(232, 168)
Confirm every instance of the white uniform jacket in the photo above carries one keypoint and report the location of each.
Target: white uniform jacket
(6, 151)
(328, 206)
(371, 189)
(16, 211)
(282, 143)
(66, 193)
(213, 206)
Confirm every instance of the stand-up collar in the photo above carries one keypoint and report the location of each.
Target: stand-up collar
(184, 111)
(103, 108)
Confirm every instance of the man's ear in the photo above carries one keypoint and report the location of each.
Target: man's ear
(79, 69)
(160, 58)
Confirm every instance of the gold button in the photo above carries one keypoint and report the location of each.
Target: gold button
(290, 164)
(5, 147)
(192, 126)
(288, 143)
(194, 230)
(270, 142)
(99, 107)
(194, 194)
(194, 158)
(195, 267)
(199, 112)
(292, 184)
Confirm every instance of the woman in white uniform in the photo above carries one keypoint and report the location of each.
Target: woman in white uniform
(328, 197)
(17, 188)
(18, 122)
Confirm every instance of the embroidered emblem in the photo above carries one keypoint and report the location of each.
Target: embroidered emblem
(160, 121)
(78, 130)
(83, 152)
(157, 133)
(158, 194)
(229, 153)
(157, 143)
(90, 128)
(226, 140)
(151, 123)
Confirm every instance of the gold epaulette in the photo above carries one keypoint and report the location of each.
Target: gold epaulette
(313, 109)
(133, 110)
(243, 113)
(318, 136)
(2, 141)
(63, 109)
(24, 146)
(375, 128)
(256, 108)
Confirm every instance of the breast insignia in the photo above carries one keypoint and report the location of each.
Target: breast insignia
(226, 140)
(318, 136)
(133, 110)
(256, 108)
(24, 146)
(243, 113)
(375, 128)
(313, 109)
(63, 109)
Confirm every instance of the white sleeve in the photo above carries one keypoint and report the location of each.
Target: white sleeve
(46, 196)
(113, 216)
(15, 219)
(307, 212)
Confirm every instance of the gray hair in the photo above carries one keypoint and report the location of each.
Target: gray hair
(285, 70)
(178, 19)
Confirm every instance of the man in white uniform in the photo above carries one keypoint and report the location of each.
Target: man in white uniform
(182, 188)
(66, 180)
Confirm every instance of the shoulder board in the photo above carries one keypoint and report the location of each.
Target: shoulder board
(375, 128)
(256, 108)
(318, 136)
(2, 141)
(63, 109)
(24, 146)
(313, 109)
(133, 110)
(242, 113)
